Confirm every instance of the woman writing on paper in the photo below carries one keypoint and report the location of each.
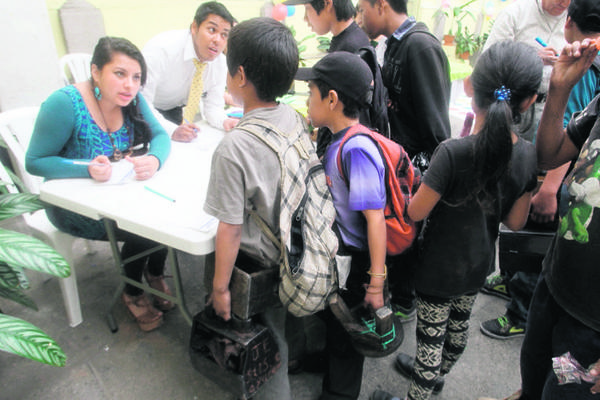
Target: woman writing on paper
(80, 129)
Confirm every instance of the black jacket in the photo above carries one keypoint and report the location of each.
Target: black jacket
(417, 75)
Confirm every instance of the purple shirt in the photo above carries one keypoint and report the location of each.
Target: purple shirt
(365, 173)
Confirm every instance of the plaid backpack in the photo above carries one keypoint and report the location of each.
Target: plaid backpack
(306, 238)
(400, 184)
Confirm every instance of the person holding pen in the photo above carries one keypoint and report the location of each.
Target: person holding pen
(540, 24)
(80, 129)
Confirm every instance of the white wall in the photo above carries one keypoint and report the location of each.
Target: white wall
(29, 69)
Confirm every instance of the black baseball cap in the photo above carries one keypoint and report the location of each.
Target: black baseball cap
(586, 14)
(345, 72)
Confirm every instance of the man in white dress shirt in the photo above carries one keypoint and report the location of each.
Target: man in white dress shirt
(172, 57)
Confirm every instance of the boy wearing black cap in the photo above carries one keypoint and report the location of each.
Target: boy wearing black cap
(340, 85)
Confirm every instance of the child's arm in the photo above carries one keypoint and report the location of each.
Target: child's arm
(376, 236)
(517, 217)
(554, 147)
(422, 203)
(227, 245)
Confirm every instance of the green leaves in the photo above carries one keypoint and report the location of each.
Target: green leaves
(14, 204)
(23, 251)
(19, 251)
(24, 339)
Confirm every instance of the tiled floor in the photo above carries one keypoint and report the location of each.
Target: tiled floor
(131, 365)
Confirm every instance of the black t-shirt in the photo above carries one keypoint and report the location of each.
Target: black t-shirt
(572, 266)
(457, 248)
(350, 39)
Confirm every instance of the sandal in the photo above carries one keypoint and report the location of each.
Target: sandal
(147, 317)
(158, 283)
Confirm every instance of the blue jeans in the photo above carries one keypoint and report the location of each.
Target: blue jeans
(551, 332)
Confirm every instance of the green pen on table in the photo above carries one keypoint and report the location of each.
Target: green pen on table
(164, 196)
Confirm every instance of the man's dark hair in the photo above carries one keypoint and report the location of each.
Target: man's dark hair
(351, 107)
(212, 7)
(397, 5)
(269, 54)
(344, 9)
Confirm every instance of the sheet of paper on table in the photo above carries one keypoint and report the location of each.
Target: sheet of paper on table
(122, 172)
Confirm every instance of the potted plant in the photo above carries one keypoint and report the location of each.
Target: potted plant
(479, 43)
(466, 43)
(19, 251)
(456, 15)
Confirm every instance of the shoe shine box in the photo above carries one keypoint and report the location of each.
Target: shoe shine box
(252, 289)
(240, 356)
(523, 250)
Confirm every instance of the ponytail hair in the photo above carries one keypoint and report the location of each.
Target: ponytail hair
(138, 128)
(504, 75)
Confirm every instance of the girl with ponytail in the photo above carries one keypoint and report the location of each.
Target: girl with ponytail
(472, 185)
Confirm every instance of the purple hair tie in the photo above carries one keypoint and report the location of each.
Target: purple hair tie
(502, 94)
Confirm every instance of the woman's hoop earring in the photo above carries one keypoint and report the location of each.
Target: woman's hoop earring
(97, 93)
(134, 101)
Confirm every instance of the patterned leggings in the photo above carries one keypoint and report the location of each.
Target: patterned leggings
(442, 332)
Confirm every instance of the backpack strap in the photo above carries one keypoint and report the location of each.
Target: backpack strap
(277, 141)
(350, 133)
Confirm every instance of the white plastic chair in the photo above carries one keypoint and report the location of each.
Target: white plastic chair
(78, 67)
(16, 127)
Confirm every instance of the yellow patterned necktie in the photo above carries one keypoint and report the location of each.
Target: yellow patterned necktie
(191, 108)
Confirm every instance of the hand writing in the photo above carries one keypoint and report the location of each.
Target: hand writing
(185, 132)
(100, 173)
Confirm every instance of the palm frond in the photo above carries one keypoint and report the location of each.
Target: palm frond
(23, 251)
(15, 204)
(17, 295)
(24, 339)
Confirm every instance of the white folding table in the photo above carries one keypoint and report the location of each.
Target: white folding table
(168, 208)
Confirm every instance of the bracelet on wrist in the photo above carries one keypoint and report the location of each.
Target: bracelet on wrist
(376, 275)
(379, 289)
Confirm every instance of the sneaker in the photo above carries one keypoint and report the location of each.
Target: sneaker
(405, 365)
(404, 314)
(501, 328)
(496, 285)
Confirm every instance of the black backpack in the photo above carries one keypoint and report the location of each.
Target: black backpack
(375, 117)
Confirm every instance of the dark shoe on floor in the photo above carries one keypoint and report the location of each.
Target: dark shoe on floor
(501, 328)
(405, 365)
(294, 366)
(404, 314)
(381, 395)
(496, 285)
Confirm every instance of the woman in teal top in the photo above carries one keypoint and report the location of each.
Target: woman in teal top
(104, 120)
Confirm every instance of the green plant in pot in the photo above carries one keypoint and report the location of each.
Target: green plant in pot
(456, 14)
(19, 251)
(466, 43)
